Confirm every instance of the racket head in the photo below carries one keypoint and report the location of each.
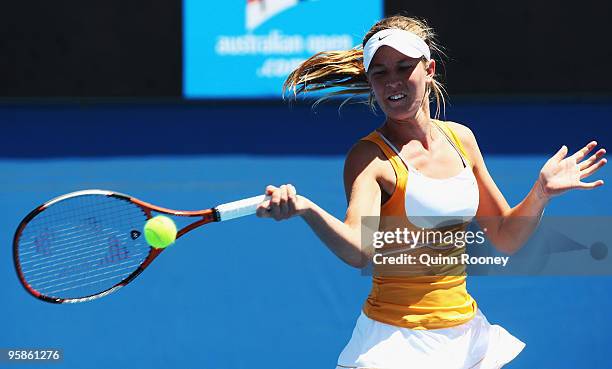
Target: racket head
(86, 244)
(74, 248)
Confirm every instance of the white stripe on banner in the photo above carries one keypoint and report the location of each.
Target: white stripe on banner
(259, 11)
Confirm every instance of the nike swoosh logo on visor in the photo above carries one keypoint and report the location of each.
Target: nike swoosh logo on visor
(381, 38)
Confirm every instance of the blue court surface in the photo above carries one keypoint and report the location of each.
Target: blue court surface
(255, 293)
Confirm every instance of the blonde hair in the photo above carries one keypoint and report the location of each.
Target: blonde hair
(343, 70)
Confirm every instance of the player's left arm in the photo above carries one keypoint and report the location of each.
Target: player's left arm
(508, 228)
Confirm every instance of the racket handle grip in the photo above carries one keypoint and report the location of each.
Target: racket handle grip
(240, 208)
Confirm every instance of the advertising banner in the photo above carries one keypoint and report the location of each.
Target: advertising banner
(245, 49)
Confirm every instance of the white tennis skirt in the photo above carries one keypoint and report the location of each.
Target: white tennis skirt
(475, 344)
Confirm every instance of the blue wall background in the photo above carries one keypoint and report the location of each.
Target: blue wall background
(254, 293)
(276, 128)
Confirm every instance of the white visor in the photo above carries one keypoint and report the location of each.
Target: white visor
(405, 42)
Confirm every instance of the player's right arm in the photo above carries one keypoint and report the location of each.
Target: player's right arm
(361, 172)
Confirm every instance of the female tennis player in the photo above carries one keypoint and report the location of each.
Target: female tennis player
(415, 164)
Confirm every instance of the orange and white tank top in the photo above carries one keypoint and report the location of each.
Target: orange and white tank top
(428, 301)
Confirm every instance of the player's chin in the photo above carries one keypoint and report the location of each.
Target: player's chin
(400, 110)
(400, 114)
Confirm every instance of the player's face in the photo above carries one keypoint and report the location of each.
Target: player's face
(399, 82)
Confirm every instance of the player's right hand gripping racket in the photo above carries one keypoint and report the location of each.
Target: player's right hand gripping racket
(88, 244)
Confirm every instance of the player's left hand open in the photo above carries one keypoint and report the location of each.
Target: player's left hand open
(561, 173)
(284, 203)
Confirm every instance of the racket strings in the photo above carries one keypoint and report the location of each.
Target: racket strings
(63, 231)
(40, 244)
(49, 279)
(82, 246)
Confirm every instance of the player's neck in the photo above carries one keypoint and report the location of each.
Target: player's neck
(401, 132)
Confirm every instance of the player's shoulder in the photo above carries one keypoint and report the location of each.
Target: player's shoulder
(364, 154)
(464, 133)
(364, 150)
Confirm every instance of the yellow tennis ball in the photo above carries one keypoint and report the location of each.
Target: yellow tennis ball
(160, 231)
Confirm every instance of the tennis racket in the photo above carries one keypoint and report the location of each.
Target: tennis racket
(88, 244)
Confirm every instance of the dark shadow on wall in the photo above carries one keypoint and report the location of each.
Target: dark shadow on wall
(266, 128)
